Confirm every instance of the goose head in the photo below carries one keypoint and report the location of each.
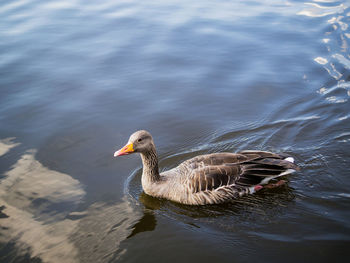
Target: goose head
(140, 141)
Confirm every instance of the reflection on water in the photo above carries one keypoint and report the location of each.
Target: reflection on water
(29, 194)
(323, 9)
(147, 222)
(38, 214)
(336, 40)
(98, 234)
(6, 145)
(78, 77)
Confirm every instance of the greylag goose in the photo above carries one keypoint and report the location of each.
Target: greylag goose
(207, 179)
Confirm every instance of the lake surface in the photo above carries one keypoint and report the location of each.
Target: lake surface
(78, 77)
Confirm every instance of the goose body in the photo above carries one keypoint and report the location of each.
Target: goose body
(207, 179)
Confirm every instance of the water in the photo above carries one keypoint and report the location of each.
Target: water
(78, 77)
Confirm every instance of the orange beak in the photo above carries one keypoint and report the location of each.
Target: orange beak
(127, 149)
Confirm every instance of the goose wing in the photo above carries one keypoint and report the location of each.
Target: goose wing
(234, 170)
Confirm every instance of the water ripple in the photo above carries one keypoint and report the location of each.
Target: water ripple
(203, 76)
(317, 10)
(337, 61)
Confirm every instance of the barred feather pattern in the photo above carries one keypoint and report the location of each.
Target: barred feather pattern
(213, 178)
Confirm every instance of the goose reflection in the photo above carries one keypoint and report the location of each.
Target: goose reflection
(147, 222)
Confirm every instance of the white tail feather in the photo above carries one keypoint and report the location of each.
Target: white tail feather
(267, 179)
(289, 159)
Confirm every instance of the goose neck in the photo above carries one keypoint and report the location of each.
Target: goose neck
(150, 165)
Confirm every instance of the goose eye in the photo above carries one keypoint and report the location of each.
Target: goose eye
(139, 140)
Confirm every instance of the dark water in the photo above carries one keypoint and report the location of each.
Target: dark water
(78, 77)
